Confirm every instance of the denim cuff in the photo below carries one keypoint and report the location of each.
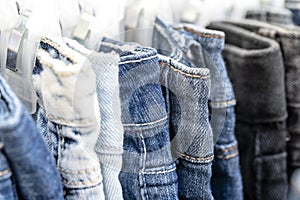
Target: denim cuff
(289, 40)
(135, 62)
(197, 48)
(193, 139)
(214, 40)
(255, 66)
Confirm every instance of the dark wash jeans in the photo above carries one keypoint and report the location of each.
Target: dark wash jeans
(201, 49)
(255, 67)
(31, 164)
(289, 40)
(148, 171)
(282, 16)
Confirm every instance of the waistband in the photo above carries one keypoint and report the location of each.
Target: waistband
(209, 39)
(129, 51)
(139, 74)
(237, 38)
(255, 65)
(266, 29)
(68, 81)
(200, 73)
(198, 48)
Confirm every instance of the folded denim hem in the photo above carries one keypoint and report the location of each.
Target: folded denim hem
(196, 159)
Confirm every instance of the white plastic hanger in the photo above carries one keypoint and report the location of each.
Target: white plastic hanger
(21, 41)
(140, 18)
(89, 20)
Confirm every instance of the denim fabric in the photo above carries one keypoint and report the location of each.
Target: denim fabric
(202, 48)
(289, 40)
(148, 170)
(68, 117)
(227, 178)
(7, 189)
(186, 91)
(255, 67)
(31, 163)
(281, 16)
(294, 7)
(109, 146)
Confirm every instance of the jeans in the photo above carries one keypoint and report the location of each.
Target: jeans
(31, 163)
(186, 91)
(109, 146)
(289, 40)
(69, 117)
(255, 67)
(148, 170)
(198, 48)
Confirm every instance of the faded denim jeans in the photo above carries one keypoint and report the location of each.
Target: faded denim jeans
(201, 48)
(109, 146)
(27, 157)
(148, 170)
(186, 91)
(69, 117)
(255, 67)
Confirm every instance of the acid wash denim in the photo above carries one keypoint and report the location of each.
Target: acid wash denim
(289, 40)
(255, 67)
(148, 170)
(109, 146)
(201, 48)
(69, 117)
(31, 163)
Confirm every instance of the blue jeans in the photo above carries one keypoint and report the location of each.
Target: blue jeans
(186, 91)
(199, 48)
(32, 165)
(148, 170)
(109, 146)
(69, 117)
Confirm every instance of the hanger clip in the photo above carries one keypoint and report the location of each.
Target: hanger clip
(20, 58)
(15, 40)
(82, 29)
